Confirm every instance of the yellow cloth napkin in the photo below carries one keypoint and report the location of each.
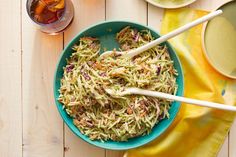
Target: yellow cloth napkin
(197, 131)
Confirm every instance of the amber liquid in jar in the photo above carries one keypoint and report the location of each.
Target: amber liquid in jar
(47, 11)
(52, 16)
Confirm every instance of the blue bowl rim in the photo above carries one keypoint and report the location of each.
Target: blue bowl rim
(57, 68)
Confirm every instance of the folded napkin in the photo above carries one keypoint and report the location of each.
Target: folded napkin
(196, 131)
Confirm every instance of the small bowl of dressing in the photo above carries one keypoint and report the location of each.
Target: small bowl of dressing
(170, 4)
(219, 40)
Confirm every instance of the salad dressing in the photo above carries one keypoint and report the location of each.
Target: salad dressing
(220, 40)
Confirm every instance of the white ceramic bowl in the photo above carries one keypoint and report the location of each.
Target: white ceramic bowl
(170, 6)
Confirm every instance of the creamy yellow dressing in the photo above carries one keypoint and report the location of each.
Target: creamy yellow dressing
(220, 40)
(171, 2)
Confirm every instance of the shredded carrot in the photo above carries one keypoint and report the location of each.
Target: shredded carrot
(101, 116)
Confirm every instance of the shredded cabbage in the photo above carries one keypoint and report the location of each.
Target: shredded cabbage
(101, 116)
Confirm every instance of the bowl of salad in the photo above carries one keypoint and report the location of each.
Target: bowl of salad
(81, 77)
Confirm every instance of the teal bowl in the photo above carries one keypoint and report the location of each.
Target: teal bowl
(106, 33)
